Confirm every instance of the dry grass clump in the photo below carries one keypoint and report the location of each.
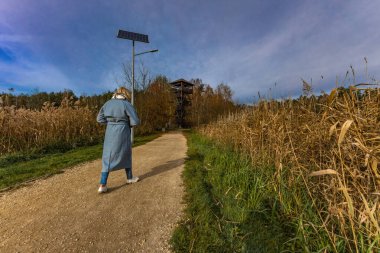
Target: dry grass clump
(331, 144)
(52, 127)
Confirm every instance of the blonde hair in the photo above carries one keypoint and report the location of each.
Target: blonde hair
(123, 92)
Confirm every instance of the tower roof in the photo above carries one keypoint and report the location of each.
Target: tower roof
(180, 82)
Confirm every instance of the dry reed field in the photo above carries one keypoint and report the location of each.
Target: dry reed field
(51, 127)
(326, 148)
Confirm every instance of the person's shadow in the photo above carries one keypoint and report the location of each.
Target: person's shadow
(154, 171)
(111, 189)
(162, 168)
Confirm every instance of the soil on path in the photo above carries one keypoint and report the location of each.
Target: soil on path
(64, 213)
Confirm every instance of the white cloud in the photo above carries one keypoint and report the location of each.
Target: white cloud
(314, 42)
(11, 38)
(30, 75)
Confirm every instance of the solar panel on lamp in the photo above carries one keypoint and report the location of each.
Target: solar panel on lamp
(133, 36)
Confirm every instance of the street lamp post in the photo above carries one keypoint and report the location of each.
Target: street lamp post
(134, 37)
(133, 79)
(133, 67)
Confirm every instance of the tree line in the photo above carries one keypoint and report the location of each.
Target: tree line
(155, 103)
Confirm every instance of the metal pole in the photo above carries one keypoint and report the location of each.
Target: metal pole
(133, 84)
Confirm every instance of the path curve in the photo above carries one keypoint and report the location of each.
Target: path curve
(64, 213)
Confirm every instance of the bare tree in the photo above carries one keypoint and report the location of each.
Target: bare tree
(127, 74)
(142, 79)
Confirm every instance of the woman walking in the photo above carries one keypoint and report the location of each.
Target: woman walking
(120, 116)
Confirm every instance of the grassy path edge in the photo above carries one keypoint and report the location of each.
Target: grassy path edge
(228, 207)
(25, 172)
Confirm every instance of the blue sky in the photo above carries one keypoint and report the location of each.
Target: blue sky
(250, 45)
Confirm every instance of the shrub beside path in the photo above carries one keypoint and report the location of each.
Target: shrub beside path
(64, 213)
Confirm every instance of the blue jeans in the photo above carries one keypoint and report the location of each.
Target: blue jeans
(104, 176)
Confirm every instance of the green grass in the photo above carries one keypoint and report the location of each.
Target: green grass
(18, 168)
(234, 207)
(228, 206)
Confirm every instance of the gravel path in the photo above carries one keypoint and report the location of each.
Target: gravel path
(64, 213)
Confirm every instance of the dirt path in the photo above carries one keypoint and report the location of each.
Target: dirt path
(64, 213)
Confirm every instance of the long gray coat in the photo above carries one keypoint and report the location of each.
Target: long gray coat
(120, 116)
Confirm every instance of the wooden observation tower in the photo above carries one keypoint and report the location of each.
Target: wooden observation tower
(183, 90)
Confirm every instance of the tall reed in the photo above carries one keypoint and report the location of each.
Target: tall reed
(58, 128)
(331, 144)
